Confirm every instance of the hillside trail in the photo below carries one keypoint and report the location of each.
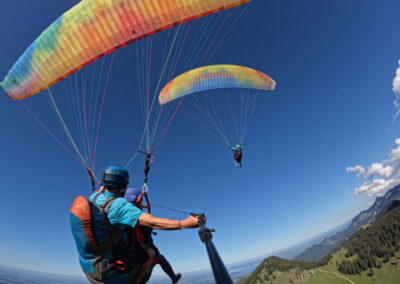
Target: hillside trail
(338, 275)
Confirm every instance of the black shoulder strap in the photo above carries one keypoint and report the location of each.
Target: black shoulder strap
(106, 204)
(103, 208)
(95, 198)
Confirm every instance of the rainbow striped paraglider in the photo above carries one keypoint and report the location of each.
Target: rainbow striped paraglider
(198, 84)
(94, 28)
(215, 77)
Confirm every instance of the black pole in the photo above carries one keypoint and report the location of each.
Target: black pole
(221, 275)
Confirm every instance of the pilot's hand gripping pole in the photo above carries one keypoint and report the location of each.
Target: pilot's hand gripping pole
(220, 272)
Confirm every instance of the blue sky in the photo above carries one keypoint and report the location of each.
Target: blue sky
(334, 63)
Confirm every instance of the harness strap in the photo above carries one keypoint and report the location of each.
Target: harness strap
(95, 198)
(148, 202)
(103, 208)
(140, 197)
(104, 212)
(106, 205)
(139, 235)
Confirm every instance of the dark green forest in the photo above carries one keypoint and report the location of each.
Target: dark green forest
(374, 245)
(366, 250)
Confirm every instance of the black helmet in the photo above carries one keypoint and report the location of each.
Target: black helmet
(115, 177)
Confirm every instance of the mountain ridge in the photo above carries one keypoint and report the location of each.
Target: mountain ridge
(369, 254)
(317, 252)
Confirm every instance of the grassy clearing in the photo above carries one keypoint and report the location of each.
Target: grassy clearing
(326, 278)
(293, 276)
(388, 274)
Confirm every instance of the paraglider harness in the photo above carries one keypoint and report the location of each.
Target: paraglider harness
(237, 154)
(119, 249)
(220, 272)
(123, 260)
(119, 265)
(89, 220)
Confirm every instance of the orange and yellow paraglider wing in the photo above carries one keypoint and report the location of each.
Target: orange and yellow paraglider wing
(94, 28)
(215, 77)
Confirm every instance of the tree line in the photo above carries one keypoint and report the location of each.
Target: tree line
(374, 245)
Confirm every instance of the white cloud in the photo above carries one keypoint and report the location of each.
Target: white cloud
(396, 90)
(381, 176)
(396, 82)
(395, 153)
(380, 170)
(377, 187)
(358, 169)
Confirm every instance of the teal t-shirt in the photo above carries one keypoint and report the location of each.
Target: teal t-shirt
(121, 212)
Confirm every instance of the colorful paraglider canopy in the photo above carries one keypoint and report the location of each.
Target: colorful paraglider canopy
(94, 28)
(215, 77)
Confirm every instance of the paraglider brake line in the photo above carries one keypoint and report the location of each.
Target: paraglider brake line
(175, 210)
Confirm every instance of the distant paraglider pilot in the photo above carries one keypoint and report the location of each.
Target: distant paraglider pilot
(238, 154)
